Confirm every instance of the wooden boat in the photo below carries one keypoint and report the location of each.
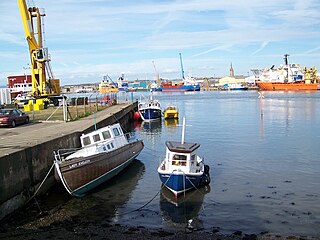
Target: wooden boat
(293, 86)
(104, 153)
(171, 112)
(149, 110)
(182, 169)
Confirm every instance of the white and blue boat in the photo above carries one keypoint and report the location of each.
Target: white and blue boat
(182, 169)
(150, 110)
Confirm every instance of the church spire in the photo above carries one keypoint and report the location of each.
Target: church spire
(231, 71)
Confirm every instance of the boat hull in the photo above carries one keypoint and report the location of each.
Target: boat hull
(183, 88)
(80, 175)
(299, 86)
(178, 182)
(149, 114)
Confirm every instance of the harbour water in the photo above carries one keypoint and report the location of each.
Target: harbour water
(264, 163)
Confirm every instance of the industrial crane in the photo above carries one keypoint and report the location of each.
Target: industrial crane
(44, 85)
(182, 71)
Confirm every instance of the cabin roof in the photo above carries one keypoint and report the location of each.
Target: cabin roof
(174, 146)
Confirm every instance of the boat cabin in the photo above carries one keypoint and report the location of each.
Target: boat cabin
(108, 138)
(182, 156)
(149, 104)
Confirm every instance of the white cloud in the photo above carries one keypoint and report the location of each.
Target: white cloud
(89, 38)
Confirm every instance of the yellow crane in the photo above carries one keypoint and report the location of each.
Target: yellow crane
(44, 85)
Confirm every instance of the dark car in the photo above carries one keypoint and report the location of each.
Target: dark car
(12, 117)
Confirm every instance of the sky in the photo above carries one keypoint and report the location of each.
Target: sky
(89, 39)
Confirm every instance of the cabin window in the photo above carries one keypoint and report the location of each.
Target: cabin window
(112, 145)
(106, 135)
(96, 138)
(86, 141)
(179, 160)
(179, 157)
(116, 132)
(108, 146)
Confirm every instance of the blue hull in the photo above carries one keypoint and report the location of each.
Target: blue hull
(150, 114)
(185, 88)
(179, 183)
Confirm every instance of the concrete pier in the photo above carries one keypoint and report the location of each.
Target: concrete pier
(26, 152)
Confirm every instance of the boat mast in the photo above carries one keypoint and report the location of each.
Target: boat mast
(182, 71)
(286, 59)
(183, 129)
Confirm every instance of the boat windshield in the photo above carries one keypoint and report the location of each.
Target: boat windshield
(179, 160)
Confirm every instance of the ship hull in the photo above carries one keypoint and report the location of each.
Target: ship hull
(183, 88)
(277, 86)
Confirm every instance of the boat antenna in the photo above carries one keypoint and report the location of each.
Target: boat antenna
(183, 129)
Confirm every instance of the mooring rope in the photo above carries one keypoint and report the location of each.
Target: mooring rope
(146, 204)
(35, 193)
(215, 202)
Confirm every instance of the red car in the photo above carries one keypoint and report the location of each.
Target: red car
(12, 117)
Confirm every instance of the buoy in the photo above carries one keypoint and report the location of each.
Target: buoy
(136, 116)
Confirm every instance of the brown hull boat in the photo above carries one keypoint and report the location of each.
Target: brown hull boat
(97, 161)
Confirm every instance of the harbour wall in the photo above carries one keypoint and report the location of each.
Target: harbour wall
(22, 172)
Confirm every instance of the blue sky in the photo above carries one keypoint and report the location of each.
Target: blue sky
(89, 39)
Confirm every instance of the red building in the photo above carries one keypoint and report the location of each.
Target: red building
(19, 85)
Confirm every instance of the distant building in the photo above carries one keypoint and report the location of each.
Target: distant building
(232, 78)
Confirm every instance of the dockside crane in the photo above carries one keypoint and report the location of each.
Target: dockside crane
(44, 85)
(182, 71)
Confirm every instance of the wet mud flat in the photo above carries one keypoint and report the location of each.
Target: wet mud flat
(64, 217)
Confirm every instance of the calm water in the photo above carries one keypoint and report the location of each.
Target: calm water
(263, 157)
(264, 164)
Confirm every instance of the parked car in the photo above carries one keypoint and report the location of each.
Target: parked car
(11, 117)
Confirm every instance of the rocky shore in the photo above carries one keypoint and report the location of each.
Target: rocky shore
(47, 226)
(70, 218)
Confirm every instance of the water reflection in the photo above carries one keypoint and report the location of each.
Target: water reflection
(183, 210)
(171, 122)
(119, 189)
(148, 127)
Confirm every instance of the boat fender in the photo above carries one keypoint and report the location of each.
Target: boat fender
(206, 169)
